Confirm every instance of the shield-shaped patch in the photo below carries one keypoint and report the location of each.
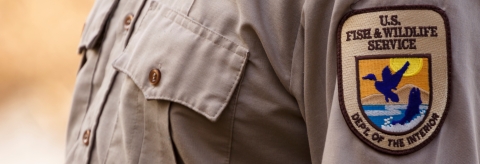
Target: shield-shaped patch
(393, 65)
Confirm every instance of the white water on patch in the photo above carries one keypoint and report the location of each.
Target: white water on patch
(391, 110)
(402, 128)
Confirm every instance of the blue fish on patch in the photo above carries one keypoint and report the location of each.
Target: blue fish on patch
(413, 107)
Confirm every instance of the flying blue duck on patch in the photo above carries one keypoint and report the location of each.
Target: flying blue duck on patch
(389, 82)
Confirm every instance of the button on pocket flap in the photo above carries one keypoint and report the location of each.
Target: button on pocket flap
(179, 60)
(96, 21)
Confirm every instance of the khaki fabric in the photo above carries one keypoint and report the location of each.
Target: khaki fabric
(242, 82)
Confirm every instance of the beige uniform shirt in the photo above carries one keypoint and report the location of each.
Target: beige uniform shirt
(197, 81)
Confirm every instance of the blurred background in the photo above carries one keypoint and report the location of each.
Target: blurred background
(38, 65)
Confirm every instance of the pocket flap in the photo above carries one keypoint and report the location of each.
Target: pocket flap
(96, 21)
(199, 67)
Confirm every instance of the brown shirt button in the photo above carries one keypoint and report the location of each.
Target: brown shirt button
(86, 137)
(154, 76)
(128, 21)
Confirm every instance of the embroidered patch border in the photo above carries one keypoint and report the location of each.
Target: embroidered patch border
(440, 118)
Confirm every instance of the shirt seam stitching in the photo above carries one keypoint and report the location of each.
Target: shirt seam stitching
(111, 138)
(177, 14)
(233, 121)
(293, 54)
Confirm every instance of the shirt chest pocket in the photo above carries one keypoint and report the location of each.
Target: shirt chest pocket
(196, 66)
